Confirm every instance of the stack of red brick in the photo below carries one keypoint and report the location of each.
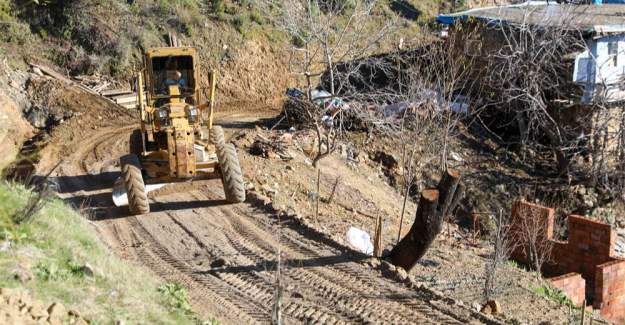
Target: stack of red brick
(586, 257)
(573, 285)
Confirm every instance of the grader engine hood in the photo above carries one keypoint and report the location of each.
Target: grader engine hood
(182, 157)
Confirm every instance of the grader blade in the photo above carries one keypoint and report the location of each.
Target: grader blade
(120, 197)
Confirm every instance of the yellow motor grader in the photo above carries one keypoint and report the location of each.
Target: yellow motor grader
(177, 140)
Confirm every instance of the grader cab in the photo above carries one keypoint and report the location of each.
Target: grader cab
(177, 140)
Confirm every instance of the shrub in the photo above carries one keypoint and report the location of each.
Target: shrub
(257, 17)
(217, 6)
(241, 23)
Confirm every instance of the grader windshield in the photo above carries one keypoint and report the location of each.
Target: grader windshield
(168, 67)
(173, 71)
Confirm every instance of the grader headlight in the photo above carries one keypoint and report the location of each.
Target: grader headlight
(192, 114)
(163, 115)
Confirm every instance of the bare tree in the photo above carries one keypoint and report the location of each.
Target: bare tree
(503, 245)
(532, 234)
(323, 34)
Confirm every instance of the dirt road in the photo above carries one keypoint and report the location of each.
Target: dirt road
(225, 255)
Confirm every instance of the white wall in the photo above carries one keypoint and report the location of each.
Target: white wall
(595, 67)
(607, 72)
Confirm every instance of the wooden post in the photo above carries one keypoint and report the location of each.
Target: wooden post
(377, 244)
(403, 209)
(318, 195)
(583, 312)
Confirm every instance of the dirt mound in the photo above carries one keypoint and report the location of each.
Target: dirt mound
(13, 130)
(87, 114)
(18, 307)
(256, 72)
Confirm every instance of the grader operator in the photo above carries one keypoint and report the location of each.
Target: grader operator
(177, 140)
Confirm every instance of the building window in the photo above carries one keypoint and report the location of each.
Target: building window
(473, 47)
(613, 52)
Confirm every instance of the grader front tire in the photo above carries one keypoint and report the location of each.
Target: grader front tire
(135, 187)
(216, 136)
(231, 176)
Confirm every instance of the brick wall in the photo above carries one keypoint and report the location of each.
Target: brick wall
(590, 243)
(587, 255)
(572, 285)
(610, 290)
(531, 216)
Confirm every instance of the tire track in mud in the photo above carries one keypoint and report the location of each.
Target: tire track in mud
(342, 284)
(325, 288)
(202, 288)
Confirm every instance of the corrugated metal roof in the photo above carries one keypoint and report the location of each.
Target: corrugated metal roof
(606, 18)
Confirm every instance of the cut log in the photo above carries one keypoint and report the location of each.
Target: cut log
(116, 92)
(427, 225)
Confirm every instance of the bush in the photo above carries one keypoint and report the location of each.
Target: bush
(241, 23)
(217, 6)
(257, 17)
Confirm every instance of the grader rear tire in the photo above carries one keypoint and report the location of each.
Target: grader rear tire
(135, 187)
(216, 136)
(231, 176)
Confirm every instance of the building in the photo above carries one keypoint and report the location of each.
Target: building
(599, 69)
(581, 97)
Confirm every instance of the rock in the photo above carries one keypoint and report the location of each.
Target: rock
(476, 306)
(455, 156)
(81, 321)
(54, 321)
(374, 262)
(268, 189)
(288, 167)
(37, 310)
(218, 262)
(491, 307)
(37, 71)
(74, 313)
(119, 322)
(402, 275)
(5, 246)
(388, 266)
(56, 311)
(87, 270)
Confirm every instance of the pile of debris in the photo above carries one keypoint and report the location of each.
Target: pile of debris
(272, 146)
(96, 83)
(18, 307)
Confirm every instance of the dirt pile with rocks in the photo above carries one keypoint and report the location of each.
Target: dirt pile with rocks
(14, 129)
(19, 307)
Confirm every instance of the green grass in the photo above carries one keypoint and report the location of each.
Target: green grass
(71, 266)
(553, 294)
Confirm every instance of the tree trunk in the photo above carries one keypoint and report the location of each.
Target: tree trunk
(427, 225)
(447, 187)
(434, 205)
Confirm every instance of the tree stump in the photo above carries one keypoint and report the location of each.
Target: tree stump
(434, 205)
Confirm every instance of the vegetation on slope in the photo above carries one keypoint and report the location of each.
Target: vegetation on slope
(55, 254)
